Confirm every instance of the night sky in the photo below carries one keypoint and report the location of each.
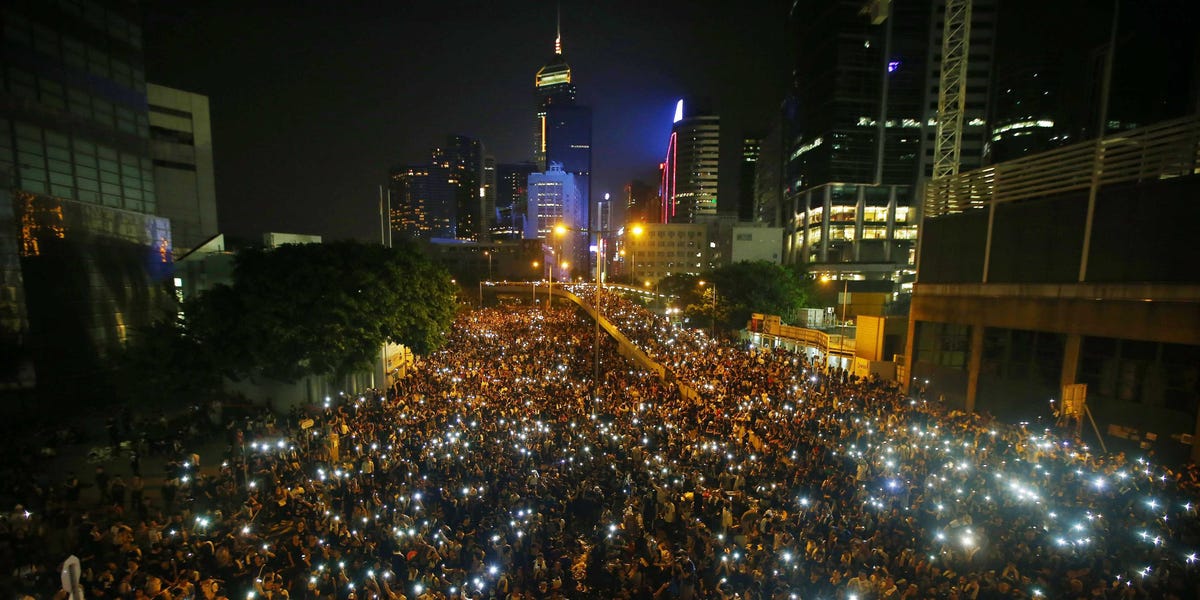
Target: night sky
(312, 102)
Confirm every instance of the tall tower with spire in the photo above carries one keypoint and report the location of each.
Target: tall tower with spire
(563, 135)
(552, 87)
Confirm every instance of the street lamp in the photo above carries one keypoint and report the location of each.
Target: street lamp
(714, 307)
(533, 284)
(637, 231)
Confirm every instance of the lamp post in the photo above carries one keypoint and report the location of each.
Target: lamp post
(561, 230)
(533, 284)
(637, 231)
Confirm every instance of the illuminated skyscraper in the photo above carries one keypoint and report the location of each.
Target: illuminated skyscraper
(553, 87)
(689, 182)
(553, 200)
(564, 133)
(423, 201)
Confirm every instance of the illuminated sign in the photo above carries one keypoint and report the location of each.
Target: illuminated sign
(678, 111)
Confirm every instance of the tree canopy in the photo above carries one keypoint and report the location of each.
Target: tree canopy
(740, 289)
(321, 309)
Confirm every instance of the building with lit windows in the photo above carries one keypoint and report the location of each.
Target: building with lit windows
(857, 134)
(689, 175)
(664, 249)
(553, 199)
(552, 87)
(1027, 114)
(487, 199)
(751, 149)
(564, 128)
(424, 202)
(85, 262)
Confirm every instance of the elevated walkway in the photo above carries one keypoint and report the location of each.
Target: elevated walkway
(625, 347)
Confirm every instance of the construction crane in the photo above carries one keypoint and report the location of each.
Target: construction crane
(952, 88)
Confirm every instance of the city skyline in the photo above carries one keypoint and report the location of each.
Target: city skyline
(436, 74)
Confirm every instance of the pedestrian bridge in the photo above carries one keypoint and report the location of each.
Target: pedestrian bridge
(532, 290)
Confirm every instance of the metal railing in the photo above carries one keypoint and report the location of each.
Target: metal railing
(1161, 151)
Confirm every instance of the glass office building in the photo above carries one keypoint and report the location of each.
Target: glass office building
(81, 260)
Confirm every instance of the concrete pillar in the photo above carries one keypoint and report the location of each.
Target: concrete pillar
(909, 346)
(974, 363)
(1070, 365)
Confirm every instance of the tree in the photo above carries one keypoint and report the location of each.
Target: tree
(322, 309)
(741, 289)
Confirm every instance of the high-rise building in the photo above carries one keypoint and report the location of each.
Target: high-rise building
(980, 59)
(642, 204)
(181, 147)
(553, 199)
(751, 148)
(852, 137)
(1026, 114)
(552, 87)
(689, 177)
(424, 201)
(487, 197)
(768, 176)
(563, 132)
(512, 180)
(85, 263)
(569, 143)
(462, 156)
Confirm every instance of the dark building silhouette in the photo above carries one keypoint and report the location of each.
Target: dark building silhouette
(85, 265)
(512, 181)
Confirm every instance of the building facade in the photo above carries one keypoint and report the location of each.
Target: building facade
(512, 181)
(552, 87)
(689, 177)
(1028, 283)
(85, 262)
(756, 243)
(664, 249)
(553, 199)
(181, 148)
(751, 149)
(424, 203)
(563, 133)
(462, 157)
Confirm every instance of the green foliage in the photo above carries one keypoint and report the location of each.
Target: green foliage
(740, 289)
(162, 363)
(322, 309)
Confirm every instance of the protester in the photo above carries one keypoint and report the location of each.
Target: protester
(500, 469)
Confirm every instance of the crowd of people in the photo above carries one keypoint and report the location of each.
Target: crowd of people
(501, 469)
